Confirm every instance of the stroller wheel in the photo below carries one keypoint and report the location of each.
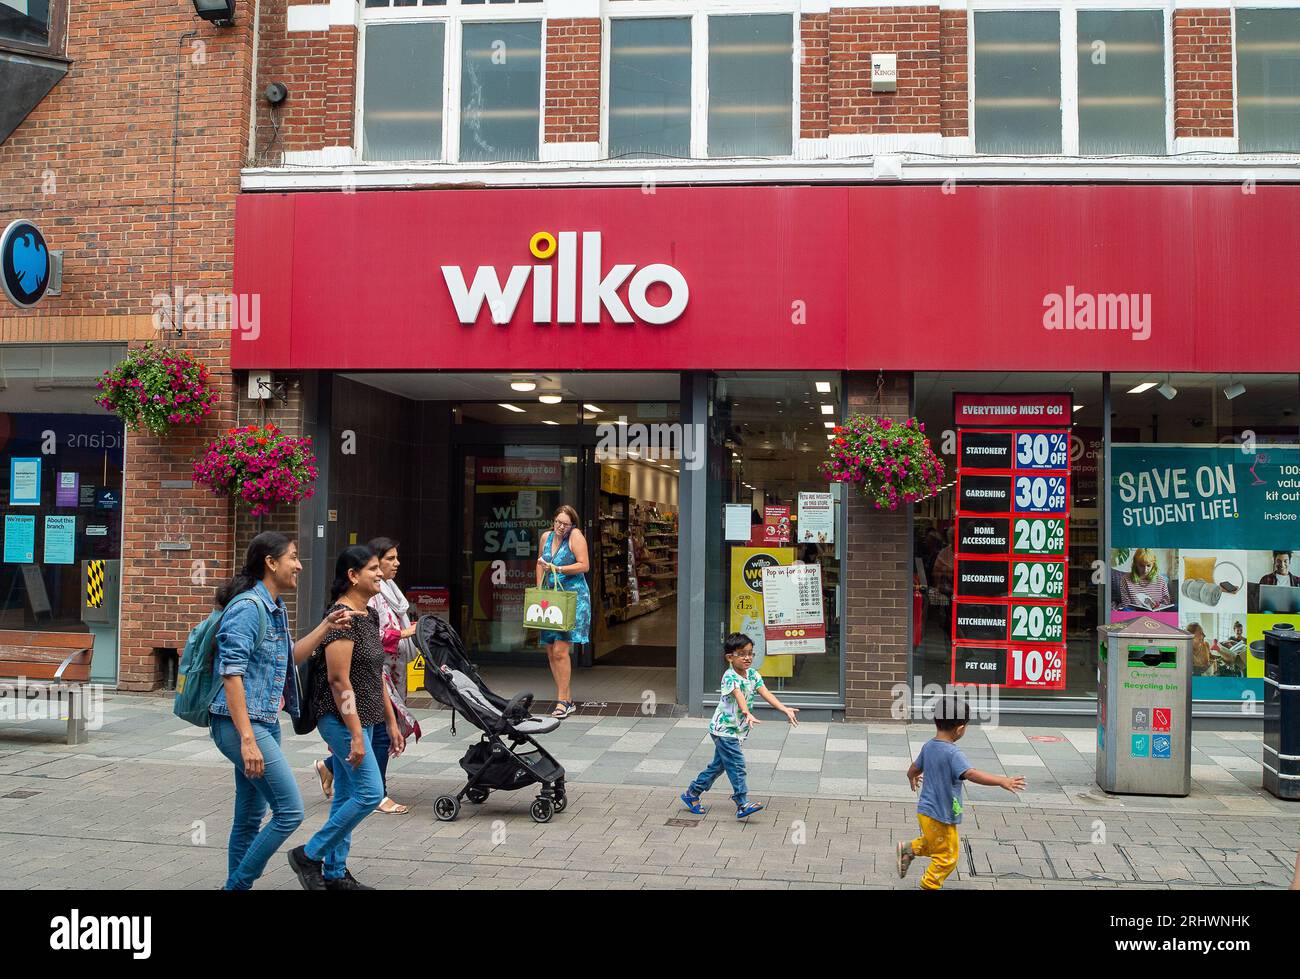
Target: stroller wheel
(561, 801)
(476, 795)
(542, 810)
(446, 808)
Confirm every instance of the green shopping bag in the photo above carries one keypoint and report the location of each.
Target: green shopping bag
(550, 608)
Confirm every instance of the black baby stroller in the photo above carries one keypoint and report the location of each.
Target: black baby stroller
(490, 764)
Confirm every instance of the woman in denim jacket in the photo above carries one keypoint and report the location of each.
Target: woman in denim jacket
(258, 681)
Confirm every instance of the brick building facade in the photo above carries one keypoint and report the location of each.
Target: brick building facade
(92, 163)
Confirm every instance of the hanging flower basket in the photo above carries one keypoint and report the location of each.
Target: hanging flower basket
(260, 467)
(891, 462)
(155, 389)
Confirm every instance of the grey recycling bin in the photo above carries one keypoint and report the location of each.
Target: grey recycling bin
(1282, 710)
(1144, 709)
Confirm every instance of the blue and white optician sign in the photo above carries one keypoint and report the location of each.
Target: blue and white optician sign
(25, 263)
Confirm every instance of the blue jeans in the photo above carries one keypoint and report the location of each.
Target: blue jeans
(727, 757)
(382, 743)
(249, 848)
(357, 791)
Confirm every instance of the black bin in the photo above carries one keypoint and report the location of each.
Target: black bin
(1282, 711)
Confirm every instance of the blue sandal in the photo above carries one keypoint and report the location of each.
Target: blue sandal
(747, 810)
(693, 804)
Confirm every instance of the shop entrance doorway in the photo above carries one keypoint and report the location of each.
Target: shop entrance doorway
(512, 457)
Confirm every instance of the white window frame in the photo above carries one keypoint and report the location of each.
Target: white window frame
(1068, 22)
(453, 15)
(698, 15)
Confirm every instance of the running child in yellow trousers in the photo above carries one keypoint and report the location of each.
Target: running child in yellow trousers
(938, 809)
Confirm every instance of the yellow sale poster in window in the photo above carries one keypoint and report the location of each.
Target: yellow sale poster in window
(747, 564)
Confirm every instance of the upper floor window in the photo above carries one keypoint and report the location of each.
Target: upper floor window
(1091, 82)
(34, 23)
(485, 74)
(402, 96)
(500, 91)
(706, 85)
(1268, 79)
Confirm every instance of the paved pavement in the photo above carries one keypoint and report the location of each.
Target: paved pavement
(147, 804)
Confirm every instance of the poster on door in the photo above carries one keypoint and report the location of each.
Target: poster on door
(747, 612)
(816, 518)
(794, 621)
(513, 503)
(1206, 538)
(1010, 575)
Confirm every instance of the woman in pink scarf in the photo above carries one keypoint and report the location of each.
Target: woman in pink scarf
(395, 629)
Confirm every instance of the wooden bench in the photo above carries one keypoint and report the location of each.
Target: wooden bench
(54, 660)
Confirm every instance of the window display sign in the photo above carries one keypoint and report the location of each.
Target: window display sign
(1010, 576)
(793, 619)
(1012, 410)
(747, 611)
(20, 539)
(66, 488)
(1205, 538)
(739, 521)
(60, 539)
(24, 482)
(816, 518)
(776, 525)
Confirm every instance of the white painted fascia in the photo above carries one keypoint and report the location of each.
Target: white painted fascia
(330, 156)
(845, 145)
(1205, 144)
(910, 168)
(567, 9)
(322, 16)
(570, 152)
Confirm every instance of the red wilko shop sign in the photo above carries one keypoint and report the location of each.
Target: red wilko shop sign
(1010, 578)
(906, 278)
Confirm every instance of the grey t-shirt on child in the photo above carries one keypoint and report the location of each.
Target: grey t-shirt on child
(943, 764)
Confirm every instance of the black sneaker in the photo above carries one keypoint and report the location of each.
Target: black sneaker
(309, 872)
(346, 883)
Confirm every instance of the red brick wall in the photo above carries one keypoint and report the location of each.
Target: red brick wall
(92, 164)
(572, 108)
(910, 32)
(954, 107)
(320, 70)
(1203, 97)
(879, 593)
(814, 77)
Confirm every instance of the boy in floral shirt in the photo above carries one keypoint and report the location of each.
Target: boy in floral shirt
(731, 725)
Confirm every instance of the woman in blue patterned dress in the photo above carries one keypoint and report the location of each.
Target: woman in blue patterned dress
(563, 563)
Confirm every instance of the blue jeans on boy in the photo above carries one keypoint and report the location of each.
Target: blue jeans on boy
(727, 757)
(382, 743)
(251, 844)
(357, 791)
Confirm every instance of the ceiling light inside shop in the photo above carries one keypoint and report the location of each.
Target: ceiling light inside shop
(829, 424)
(549, 399)
(1078, 407)
(830, 435)
(546, 421)
(524, 386)
(823, 387)
(502, 404)
(1234, 390)
(1168, 390)
(828, 409)
(1144, 386)
(593, 408)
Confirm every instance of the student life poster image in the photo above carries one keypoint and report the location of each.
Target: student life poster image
(1207, 538)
